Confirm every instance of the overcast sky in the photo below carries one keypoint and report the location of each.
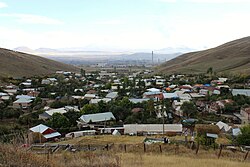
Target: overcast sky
(122, 24)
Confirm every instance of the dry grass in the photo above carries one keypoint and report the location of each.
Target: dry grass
(230, 57)
(105, 139)
(21, 64)
(148, 160)
(15, 157)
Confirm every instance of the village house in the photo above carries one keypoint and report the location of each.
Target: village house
(112, 95)
(96, 101)
(96, 118)
(33, 93)
(245, 92)
(23, 101)
(10, 89)
(223, 126)
(245, 113)
(138, 100)
(152, 129)
(218, 106)
(48, 114)
(47, 133)
(4, 96)
(153, 95)
(148, 82)
(89, 96)
(160, 82)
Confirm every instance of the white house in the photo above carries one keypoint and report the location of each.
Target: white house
(95, 118)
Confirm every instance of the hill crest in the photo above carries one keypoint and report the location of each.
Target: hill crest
(18, 64)
(233, 57)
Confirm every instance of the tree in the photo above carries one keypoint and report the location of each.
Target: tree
(58, 121)
(89, 109)
(244, 137)
(83, 72)
(150, 106)
(73, 117)
(210, 70)
(188, 108)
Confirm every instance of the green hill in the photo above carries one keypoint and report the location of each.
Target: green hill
(233, 57)
(17, 64)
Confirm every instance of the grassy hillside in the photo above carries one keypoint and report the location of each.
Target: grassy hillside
(21, 64)
(233, 56)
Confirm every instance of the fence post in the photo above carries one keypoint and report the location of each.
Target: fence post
(198, 147)
(160, 148)
(144, 146)
(176, 148)
(88, 147)
(220, 151)
(125, 148)
(107, 147)
(246, 155)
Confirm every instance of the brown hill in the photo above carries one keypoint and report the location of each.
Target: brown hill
(233, 56)
(19, 64)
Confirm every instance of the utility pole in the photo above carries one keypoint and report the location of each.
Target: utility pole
(162, 112)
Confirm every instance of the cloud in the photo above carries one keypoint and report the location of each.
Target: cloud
(32, 19)
(3, 5)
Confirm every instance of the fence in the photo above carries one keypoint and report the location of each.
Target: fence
(180, 149)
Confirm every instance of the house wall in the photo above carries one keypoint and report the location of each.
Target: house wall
(48, 131)
(21, 105)
(245, 114)
(159, 96)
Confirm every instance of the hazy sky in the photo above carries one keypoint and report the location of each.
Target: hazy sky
(122, 24)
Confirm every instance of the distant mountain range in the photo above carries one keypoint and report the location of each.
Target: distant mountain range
(233, 56)
(17, 64)
(81, 55)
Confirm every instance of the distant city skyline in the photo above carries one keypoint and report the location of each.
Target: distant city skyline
(122, 24)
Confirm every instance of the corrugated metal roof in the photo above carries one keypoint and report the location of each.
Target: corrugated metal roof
(151, 93)
(24, 97)
(138, 100)
(39, 128)
(153, 90)
(236, 131)
(112, 95)
(99, 117)
(170, 95)
(22, 100)
(212, 135)
(245, 92)
(52, 135)
(58, 110)
(152, 128)
(223, 125)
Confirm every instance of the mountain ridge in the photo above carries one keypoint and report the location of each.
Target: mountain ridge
(233, 56)
(18, 64)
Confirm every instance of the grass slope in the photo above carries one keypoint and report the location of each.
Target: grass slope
(17, 64)
(233, 56)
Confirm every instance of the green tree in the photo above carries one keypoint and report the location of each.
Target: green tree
(59, 121)
(89, 109)
(189, 109)
(72, 117)
(244, 137)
